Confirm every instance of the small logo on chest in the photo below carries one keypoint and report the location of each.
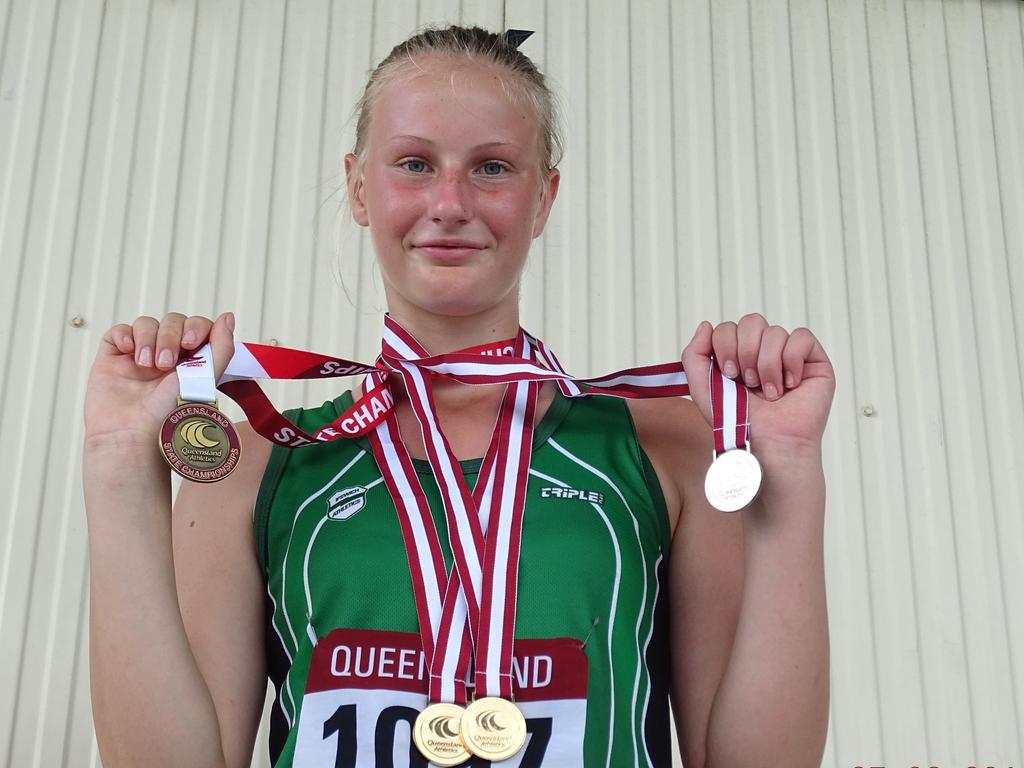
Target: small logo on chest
(346, 502)
(569, 494)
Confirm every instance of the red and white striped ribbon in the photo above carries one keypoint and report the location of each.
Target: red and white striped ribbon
(730, 417)
(471, 613)
(484, 528)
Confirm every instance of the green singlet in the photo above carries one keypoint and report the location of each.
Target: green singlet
(591, 642)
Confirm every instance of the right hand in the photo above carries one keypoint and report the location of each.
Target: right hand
(133, 384)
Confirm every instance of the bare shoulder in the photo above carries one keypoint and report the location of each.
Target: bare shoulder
(220, 592)
(677, 440)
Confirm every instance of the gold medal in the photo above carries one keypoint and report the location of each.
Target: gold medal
(493, 728)
(199, 442)
(436, 734)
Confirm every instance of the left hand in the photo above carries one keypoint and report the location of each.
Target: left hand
(789, 376)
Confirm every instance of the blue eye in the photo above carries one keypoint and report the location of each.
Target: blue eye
(492, 168)
(414, 166)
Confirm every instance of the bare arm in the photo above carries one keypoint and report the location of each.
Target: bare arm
(773, 699)
(749, 621)
(158, 699)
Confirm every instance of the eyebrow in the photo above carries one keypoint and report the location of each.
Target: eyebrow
(485, 145)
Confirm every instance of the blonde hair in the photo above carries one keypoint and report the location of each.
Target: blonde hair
(473, 43)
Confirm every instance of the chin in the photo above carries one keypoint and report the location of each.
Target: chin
(457, 305)
(453, 300)
(452, 292)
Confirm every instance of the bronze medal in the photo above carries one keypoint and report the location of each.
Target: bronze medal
(493, 728)
(733, 480)
(199, 442)
(436, 734)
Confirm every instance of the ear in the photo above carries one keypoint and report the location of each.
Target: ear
(354, 181)
(548, 191)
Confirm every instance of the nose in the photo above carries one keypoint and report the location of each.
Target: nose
(451, 199)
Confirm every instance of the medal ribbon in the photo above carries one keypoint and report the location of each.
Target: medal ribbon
(484, 528)
(475, 605)
(195, 377)
(730, 418)
(259, 361)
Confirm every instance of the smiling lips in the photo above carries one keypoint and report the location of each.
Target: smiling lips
(449, 250)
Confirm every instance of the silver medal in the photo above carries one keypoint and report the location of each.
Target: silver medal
(733, 480)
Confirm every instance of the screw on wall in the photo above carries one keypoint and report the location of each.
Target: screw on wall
(868, 410)
(77, 321)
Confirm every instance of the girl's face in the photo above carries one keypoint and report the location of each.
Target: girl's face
(452, 189)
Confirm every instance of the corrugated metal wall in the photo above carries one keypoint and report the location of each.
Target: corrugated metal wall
(851, 165)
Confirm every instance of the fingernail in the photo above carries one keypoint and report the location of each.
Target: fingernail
(146, 357)
(230, 320)
(750, 377)
(164, 360)
(770, 391)
(790, 381)
(730, 369)
(189, 337)
(126, 341)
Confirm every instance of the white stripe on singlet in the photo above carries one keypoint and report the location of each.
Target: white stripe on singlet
(647, 644)
(614, 604)
(284, 609)
(641, 660)
(305, 567)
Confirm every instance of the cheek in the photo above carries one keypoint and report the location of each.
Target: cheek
(392, 211)
(513, 215)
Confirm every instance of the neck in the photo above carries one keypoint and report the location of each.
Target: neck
(440, 334)
(445, 333)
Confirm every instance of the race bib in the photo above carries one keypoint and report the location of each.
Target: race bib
(366, 687)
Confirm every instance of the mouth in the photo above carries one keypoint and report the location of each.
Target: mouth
(448, 251)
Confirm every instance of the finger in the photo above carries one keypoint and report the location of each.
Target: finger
(769, 361)
(222, 342)
(113, 341)
(748, 345)
(800, 350)
(120, 337)
(168, 340)
(196, 331)
(723, 341)
(144, 331)
(696, 363)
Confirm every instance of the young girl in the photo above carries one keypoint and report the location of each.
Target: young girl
(304, 564)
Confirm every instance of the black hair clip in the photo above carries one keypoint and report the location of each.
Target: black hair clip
(516, 37)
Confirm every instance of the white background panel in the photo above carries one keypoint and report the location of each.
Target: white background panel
(852, 165)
